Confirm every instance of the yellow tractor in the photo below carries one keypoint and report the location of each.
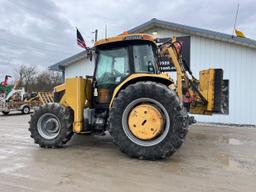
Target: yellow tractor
(144, 110)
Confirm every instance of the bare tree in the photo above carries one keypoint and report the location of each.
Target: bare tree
(35, 81)
(26, 75)
(46, 81)
(56, 78)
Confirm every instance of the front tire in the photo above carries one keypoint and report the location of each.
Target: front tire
(51, 125)
(161, 99)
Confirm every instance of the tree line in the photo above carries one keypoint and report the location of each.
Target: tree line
(34, 80)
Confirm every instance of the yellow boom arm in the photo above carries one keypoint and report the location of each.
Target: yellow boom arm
(205, 94)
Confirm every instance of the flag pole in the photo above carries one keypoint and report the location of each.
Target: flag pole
(234, 28)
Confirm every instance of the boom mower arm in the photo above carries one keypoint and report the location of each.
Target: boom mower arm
(203, 96)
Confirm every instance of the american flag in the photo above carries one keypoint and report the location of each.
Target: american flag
(80, 40)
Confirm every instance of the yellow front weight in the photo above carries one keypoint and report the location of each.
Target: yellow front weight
(145, 122)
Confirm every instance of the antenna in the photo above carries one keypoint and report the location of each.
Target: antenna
(234, 28)
(96, 35)
(106, 31)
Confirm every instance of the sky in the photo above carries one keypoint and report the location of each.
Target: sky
(42, 32)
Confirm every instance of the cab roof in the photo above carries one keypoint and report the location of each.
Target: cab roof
(126, 37)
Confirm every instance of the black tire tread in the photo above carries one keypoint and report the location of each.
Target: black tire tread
(23, 112)
(65, 116)
(170, 100)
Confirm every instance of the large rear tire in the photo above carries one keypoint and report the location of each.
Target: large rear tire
(51, 125)
(155, 97)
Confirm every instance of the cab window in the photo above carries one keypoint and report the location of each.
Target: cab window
(112, 67)
(144, 60)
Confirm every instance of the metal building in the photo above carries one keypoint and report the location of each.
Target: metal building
(208, 49)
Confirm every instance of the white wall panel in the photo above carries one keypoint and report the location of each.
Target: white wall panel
(239, 67)
(80, 68)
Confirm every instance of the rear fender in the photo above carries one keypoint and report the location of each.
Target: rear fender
(163, 78)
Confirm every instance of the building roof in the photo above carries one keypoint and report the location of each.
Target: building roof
(171, 26)
(59, 66)
(193, 31)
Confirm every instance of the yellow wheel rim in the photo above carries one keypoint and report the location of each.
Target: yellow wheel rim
(145, 122)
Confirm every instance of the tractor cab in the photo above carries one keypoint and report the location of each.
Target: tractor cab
(120, 56)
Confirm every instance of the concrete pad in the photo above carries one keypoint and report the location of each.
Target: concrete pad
(213, 158)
